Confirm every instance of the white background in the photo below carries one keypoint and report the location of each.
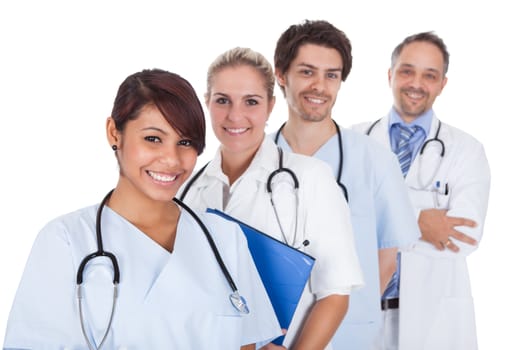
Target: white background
(61, 63)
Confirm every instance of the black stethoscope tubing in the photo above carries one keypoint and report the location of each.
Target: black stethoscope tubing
(116, 270)
(422, 150)
(280, 169)
(236, 299)
(212, 244)
(434, 139)
(100, 248)
(341, 155)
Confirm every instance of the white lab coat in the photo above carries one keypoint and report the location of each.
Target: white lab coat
(176, 300)
(323, 217)
(436, 305)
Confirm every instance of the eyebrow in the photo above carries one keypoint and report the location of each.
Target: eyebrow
(408, 65)
(307, 65)
(253, 95)
(154, 128)
(245, 96)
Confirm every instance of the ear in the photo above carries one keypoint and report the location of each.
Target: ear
(281, 80)
(271, 104)
(112, 134)
(390, 77)
(445, 80)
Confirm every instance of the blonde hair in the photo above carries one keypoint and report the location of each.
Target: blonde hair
(242, 56)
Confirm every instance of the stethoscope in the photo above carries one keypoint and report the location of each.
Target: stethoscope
(436, 139)
(236, 299)
(269, 189)
(281, 169)
(341, 158)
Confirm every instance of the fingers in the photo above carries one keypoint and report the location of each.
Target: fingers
(455, 221)
(463, 238)
(436, 243)
(448, 244)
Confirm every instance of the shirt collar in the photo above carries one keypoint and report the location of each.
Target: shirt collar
(424, 121)
(264, 161)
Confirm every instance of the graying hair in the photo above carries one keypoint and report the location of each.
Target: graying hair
(428, 37)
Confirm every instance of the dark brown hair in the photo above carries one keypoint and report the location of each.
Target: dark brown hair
(320, 33)
(174, 97)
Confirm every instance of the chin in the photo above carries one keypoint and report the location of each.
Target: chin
(162, 196)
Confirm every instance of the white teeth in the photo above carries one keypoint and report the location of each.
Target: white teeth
(237, 130)
(163, 178)
(414, 95)
(315, 100)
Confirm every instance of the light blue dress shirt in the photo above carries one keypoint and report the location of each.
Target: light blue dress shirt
(380, 210)
(423, 124)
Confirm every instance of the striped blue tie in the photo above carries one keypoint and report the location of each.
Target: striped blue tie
(404, 154)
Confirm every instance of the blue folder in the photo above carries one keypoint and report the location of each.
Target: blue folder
(284, 270)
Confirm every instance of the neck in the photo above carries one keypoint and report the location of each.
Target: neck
(156, 219)
(409, 118)
(234, 164)
(306, 137)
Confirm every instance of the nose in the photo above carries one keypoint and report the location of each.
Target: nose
(417, 81)
(318, 83)
(236, 112)
(170, 156)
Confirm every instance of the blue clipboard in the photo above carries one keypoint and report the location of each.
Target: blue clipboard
(284, 270)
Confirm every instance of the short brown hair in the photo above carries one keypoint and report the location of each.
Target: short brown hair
(320, 33)
(174, 97)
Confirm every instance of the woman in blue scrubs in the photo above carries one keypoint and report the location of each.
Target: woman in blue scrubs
(172, 292)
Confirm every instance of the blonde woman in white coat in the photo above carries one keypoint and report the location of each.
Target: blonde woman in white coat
(240, 99)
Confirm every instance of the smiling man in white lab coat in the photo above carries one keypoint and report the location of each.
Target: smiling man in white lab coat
(429, 304)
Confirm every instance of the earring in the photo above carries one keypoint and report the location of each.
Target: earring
(114, 147)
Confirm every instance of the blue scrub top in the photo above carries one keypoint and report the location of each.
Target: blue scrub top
(177, 300)
(381, 215)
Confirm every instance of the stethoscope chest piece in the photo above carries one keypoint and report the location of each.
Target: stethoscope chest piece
(235, 298)
(239, 303)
